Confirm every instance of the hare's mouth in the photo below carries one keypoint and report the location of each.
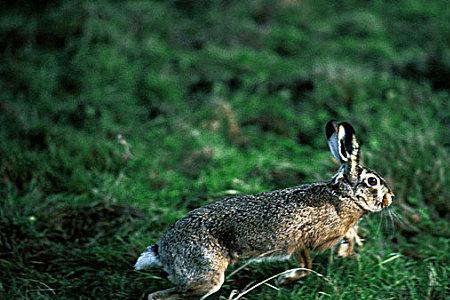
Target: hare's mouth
(387, 200)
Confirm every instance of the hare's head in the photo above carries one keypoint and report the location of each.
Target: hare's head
(370, 190)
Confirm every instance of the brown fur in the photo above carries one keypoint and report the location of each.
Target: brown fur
(196, 250)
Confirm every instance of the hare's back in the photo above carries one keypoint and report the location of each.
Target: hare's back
(240, 227)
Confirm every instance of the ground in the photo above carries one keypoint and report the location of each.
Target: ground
(117, 118)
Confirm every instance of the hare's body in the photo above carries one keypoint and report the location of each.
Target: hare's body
(273, 223)
(197, 249)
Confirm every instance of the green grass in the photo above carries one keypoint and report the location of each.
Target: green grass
(117, 118)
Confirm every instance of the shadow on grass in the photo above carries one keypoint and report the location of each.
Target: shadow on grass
(73, 252)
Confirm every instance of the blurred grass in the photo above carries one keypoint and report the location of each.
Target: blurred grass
(119, 117)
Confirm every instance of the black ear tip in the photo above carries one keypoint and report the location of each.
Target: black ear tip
(349, 130)
(330, 128)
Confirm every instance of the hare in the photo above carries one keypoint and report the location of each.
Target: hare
(196, 250)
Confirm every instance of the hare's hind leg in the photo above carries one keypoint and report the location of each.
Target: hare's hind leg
(205, 289)
(203, 285)
(215, 285)
(304, 260)
(169, 294)
(207, 282)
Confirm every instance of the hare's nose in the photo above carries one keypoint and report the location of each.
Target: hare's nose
(387, 200)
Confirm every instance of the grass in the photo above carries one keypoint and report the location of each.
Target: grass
(117, 118)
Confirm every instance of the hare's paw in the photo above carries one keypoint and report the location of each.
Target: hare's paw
(290, 277)
(351, 238)
(358, 240)
(344, 250)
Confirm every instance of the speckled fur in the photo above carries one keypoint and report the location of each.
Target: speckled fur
(196, 250)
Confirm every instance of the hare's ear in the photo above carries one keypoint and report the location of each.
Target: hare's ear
(334, 138)
(342, 142)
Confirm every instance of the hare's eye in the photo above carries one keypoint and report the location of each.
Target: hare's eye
(371, 181)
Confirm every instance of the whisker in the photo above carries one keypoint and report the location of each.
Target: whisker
(384, 219)
(391, 224)
(401, 221)
(379, 224)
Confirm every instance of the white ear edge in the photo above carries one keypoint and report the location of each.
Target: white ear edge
(341, 132)
(343, 154)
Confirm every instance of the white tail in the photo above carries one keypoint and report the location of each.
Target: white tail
(148, 258)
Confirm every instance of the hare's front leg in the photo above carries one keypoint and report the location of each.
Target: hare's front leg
(345, 248)
(304, 260)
